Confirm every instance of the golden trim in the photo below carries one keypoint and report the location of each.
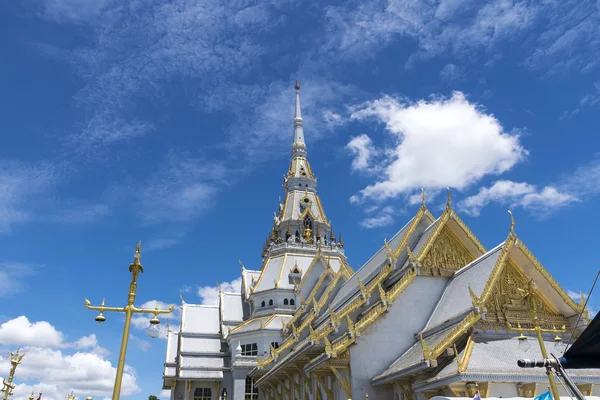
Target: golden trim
(345, 382)
(431, 354)
(578, 308)
(281, 270)
(496, 272)
(469, 233)
(411, 229)
(437, 229)
(463, 363)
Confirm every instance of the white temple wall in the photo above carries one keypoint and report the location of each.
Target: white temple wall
(496, 389)
(384, 341)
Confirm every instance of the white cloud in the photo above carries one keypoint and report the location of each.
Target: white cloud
(568, 39)
(20, 184)
(21, 331)
(457, 27)
(383, 217)
(183, 188)
(377, 222)
(591, 99)
(517, 194)
(451, 73)
(141, 344)
(47, 368)
(12, 276)
(210, 294)
(362, 149)
(136, 50)
(439, 143)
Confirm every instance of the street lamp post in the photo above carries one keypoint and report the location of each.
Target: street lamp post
(527, 295)
(8, 386)
(135, 268)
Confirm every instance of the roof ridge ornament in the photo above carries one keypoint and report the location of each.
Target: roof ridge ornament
(449, 199)
(512, 224)
(422, 198)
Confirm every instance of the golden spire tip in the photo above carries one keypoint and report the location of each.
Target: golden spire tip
(512, 223)
(449, 198)
(422, 197)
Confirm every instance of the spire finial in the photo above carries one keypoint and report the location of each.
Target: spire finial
(512, 223)
(422, 197)
(138, 254)
(298, 129)
(449, 198)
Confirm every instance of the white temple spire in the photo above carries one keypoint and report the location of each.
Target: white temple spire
(299, 147)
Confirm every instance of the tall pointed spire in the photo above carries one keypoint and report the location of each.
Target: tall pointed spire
(299, 147)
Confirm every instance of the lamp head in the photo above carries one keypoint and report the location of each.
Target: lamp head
(524, 344)
(100, 318)
(153, 330)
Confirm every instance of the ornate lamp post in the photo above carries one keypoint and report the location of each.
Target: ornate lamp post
(526, 294)
(8, 386)
(135, 268)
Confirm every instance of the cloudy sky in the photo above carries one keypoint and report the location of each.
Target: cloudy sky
(170, 122)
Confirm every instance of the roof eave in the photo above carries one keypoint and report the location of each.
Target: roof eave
(382, 380)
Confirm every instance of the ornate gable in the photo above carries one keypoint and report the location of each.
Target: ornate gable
(446, 255)
(506, 305)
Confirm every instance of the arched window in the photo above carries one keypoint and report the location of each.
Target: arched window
(292, 302)
(271, 302)
(285, 302)
(308, 222)
(251, 390)
(262, 304)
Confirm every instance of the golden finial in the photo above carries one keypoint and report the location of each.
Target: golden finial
(422, 197)
(242, 264)
(181, 297)
(31, 397)
(219, 286)
(512, 223)
(474, 297)
(411, 256)
(449, 198)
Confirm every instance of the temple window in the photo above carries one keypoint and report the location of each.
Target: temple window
(275, 345)
(251, 390)
(262, 304)
(292, 302)
(203, 394)
(250, 349)
(285, 302)
(271, 302)
(307, 222)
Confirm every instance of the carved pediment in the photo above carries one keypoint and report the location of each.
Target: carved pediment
(507, 305)
(446, 255)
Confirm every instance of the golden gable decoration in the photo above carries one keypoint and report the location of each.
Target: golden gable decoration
(506, 304)
(446, 256)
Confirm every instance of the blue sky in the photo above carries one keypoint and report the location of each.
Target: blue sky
(170, 122)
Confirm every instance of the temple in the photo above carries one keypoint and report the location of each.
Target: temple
(432, 312)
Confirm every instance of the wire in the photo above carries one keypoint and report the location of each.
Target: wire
(584, 307)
